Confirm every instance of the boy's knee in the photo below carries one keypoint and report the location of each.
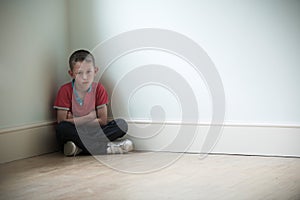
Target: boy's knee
(122, 124)
(63, 125)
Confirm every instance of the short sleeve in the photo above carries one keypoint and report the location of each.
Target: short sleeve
(101, 96)
(63, 99)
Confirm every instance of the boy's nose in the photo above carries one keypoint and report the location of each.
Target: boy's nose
(84, 76)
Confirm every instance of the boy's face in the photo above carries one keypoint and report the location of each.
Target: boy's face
(83, 73)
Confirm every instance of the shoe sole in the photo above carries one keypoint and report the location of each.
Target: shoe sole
(69, 149)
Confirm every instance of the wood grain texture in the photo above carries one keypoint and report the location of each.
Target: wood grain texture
(54, 176)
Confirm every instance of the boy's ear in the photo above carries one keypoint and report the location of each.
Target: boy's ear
(96, 69)
(70, 73)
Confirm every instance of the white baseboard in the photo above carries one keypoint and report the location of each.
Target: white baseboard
(245, 139)
(267, 140)
(27, 141)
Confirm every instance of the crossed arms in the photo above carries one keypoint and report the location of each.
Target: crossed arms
(99, 116)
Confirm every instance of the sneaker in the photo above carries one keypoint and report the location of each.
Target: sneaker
(119, 147)
(70, 149)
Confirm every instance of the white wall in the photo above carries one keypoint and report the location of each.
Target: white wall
(33, 59)
(33, 63)
(254, 45)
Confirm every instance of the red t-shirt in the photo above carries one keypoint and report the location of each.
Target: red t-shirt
(94, 98)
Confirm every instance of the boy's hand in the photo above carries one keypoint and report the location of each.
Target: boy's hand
(84, 119)
(91, 116)
(69, 115)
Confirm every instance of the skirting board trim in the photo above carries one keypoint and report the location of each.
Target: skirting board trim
(244, 139)
(27, 126)
(27, 141)
(225, 124)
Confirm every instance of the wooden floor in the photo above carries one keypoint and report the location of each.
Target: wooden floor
(151, 176)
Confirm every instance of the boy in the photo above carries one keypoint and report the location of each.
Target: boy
(82, 112)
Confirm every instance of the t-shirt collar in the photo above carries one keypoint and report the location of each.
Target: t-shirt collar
(78, 99)
(73, 86)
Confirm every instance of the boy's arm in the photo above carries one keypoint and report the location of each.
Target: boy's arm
(102, 115)
(65, 115)
(62, 115)
(94, 117)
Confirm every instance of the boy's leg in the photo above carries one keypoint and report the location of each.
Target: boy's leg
(66, 131)
(87, 139)
(115, 129)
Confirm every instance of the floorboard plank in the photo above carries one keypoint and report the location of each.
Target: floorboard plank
(54, 176)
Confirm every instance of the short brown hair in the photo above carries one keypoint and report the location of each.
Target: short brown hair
(80, 56)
